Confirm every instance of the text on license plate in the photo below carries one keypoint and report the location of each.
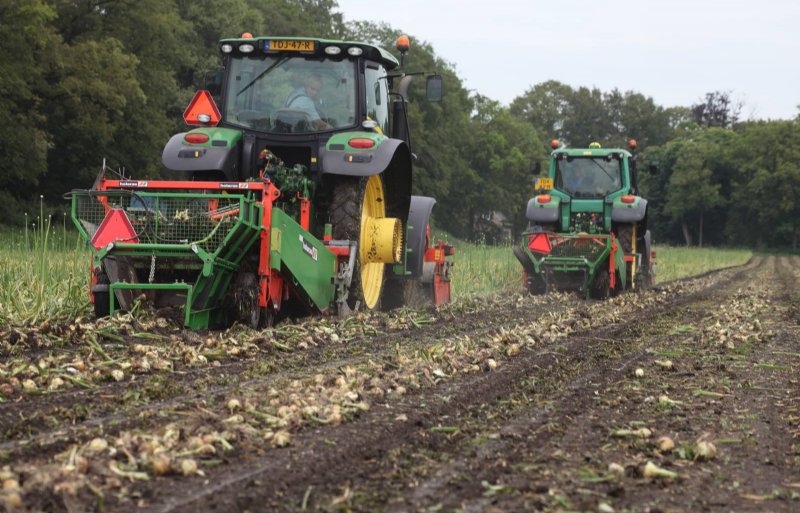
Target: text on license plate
(291, 45)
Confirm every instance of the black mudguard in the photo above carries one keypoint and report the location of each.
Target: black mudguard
(419, 217)
(363, 163)
(392, 158)
(630, 214)
(178, 156)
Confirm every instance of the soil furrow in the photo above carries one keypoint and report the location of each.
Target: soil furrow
(362, 447)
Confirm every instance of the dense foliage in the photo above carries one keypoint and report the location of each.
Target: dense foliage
(82, 81)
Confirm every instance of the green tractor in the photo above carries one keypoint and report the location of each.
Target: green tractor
(291, 194)
(588, 227)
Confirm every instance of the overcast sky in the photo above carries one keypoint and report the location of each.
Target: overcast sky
(672, 50)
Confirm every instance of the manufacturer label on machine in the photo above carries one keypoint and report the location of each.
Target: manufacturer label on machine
(132, 183)
(237, 185)
(308, 248)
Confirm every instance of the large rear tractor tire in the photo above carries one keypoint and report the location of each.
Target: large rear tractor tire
(355, 199)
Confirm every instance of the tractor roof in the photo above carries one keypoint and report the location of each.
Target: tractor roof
(373, 52)
(590, 152)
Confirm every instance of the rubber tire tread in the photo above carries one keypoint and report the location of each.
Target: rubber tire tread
(347, 199)
(102, 299)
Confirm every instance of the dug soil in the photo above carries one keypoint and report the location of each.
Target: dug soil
(682, 398)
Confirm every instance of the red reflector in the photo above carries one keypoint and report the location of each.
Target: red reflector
(628, 199)
(361, 143)
(202, 110)
(196, 138)
(540, 243)
(543, 198)
(116, 227)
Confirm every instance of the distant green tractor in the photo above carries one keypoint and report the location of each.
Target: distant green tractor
(588, 227)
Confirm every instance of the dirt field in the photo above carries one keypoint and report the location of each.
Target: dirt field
(684, 398)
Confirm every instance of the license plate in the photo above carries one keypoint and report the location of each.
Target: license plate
(291, 45)
(543, 184)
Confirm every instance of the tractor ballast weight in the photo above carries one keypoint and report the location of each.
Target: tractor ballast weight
(295, 191)
(588, 227)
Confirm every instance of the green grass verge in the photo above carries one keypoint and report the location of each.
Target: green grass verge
(679, 262)
(44, 275)
(45, 271)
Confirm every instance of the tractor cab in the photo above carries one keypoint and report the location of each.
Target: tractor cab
(589, 176)
(293, 96)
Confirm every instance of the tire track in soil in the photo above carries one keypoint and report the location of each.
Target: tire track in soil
(551, 469)
(362, 451)
(121, 418)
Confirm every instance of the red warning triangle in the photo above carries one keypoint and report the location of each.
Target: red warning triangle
(202, 104)
(116, 227)
(540, 244)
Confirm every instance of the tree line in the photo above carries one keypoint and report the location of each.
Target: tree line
(85, 80)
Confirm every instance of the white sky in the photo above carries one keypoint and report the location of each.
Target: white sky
(672, 50)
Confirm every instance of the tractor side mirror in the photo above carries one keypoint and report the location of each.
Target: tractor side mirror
(652, 167)
(434, 88)
(212, 82)
(536, 167)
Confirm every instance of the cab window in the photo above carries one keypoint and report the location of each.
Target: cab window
(377, 95)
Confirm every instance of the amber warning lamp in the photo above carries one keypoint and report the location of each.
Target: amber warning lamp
(202, 111)
(402, 45)
(555, 144)
(632, 144)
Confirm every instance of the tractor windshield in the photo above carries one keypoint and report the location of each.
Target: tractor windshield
(275, 93)
(588, 177)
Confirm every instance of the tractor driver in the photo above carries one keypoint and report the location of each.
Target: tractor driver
(302, 99)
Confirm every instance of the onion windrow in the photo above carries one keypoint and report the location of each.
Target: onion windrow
(271, 415)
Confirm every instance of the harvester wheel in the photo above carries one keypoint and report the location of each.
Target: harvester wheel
(536, 285)
(413, 293)
(101, 298)
(244, 302)
(599, 288)
(355, 199)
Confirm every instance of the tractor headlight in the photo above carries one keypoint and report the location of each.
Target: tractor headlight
(355, 51)
(226, 48)
(333, 50)
(246, 48)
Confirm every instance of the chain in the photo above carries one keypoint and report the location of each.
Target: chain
(152, 268)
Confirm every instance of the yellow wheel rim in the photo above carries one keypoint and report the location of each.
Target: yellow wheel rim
(371, 272)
